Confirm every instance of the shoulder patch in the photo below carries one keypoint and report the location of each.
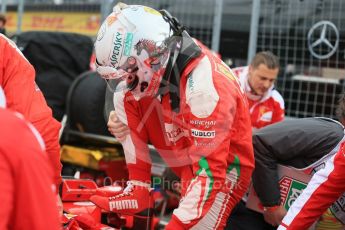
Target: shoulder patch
(225, 70)
(201, 94)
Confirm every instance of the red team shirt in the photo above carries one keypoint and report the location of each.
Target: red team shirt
(27, 198)
(17, 78)
(265, 111)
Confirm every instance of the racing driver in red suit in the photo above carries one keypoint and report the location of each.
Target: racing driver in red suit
(174, 93)
(17, 78)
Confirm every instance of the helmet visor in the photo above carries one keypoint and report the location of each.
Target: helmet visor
(134, 72)
(122, 78)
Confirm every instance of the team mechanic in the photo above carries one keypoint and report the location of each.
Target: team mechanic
(167, 83)
(303, 144)
(266, 105)
(325, 187)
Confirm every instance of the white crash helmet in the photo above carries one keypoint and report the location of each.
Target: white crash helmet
(131, 49)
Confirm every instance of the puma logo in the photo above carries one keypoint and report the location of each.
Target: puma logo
(123, 204)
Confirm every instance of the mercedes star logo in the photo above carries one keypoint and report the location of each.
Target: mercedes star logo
(323, 39)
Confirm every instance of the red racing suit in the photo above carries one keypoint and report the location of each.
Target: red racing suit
(325, 187)
(263, 111)
(17, 78)
(208, 142)
(27, 198)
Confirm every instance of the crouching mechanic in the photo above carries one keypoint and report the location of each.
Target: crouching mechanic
(326, 186)
(298, 143)
(266, 105)
(174, 93)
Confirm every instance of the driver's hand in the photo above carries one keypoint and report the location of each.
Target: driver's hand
(116, 127)
(275, 217)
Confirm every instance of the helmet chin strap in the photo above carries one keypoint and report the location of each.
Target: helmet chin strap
(182, 50)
